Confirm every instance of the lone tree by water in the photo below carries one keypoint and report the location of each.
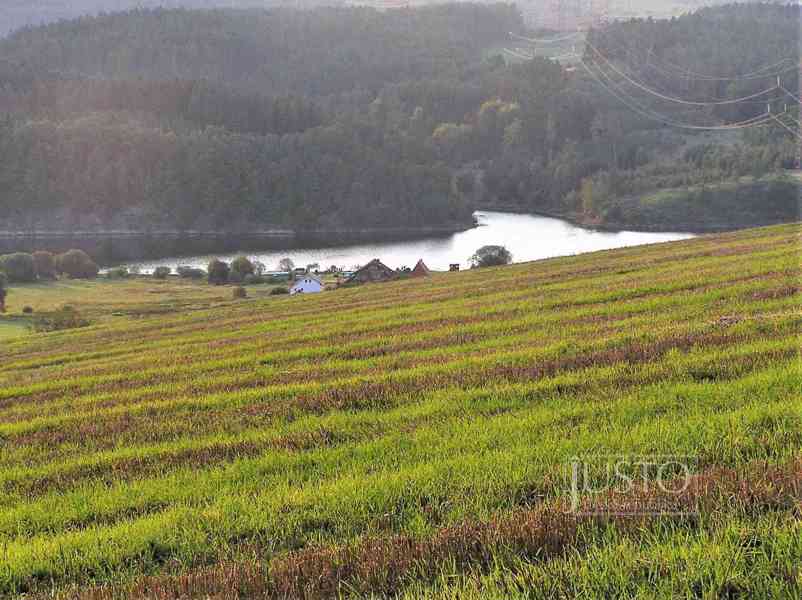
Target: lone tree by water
(286, 264)
(77, 264)
(241, 267)
(490, 256)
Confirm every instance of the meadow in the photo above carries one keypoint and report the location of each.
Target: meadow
(119, 300)
(413, 439)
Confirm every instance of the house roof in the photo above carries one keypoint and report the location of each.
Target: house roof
(420, 270)
(375, 264)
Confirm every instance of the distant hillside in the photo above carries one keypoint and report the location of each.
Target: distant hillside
(355, 118)
(231, 120)
(19, 13)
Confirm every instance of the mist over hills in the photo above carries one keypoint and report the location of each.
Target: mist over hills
(19, 13)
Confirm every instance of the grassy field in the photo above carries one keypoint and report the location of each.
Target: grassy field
(11, 328)
(119, 300)
(414, 439)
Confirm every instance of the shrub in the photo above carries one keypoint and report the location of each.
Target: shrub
(491, 256)
(27, 310)
(18, 267)
(77, 264)
(45, 264)
(278, 291)
(117, 273)
(64, 318)
(3, 292)
(218, 272)
(241, 267)
(239, 293)
(254, 280)
(190, 272)
(161, 272)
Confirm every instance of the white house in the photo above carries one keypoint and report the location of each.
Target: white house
(307, 285)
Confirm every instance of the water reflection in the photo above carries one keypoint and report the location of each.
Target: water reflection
(528, 237)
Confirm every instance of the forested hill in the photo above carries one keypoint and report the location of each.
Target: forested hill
(707, 54)
(315, 53)
(19, 13)
(178, 119)
(349, 118)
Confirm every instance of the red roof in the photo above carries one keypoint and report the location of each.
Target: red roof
(420, 270)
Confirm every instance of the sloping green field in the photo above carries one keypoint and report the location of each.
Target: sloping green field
(413, 438)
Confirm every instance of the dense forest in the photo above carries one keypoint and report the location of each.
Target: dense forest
(348, 118)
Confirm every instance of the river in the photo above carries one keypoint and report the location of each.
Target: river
(528, 237)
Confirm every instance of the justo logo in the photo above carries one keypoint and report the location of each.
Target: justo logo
(633, 485)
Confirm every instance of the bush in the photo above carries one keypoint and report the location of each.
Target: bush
(239, 292)
(3, 292)
(45, 264)
(190, 272)
(241, 267)
(278, 291)
(118, 273)
(253, 280)
(27, 310)
(18, 267)
(77, 264)
(491, 256)
(218, 272)
(161, 272)
(65, 318)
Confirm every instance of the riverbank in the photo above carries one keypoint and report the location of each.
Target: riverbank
(115, 246)
(725, 206)
(528, 237)
(595, 224)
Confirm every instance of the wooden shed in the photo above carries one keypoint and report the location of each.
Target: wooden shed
(372, 272)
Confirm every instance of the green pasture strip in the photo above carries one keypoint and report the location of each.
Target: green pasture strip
(459, 371)
(180, 324)
(312, 350)
(728, 553)
(468, 468)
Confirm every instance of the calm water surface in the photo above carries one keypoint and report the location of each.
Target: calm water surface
(528, 237)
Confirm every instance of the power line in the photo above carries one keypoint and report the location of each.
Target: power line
(655, 116)
(794, 133)
(796, 122)
(686, 73)
(671, 98)
(794, 96)
(517, 54)
(753, 76)
(654, 65)
(546, 40)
